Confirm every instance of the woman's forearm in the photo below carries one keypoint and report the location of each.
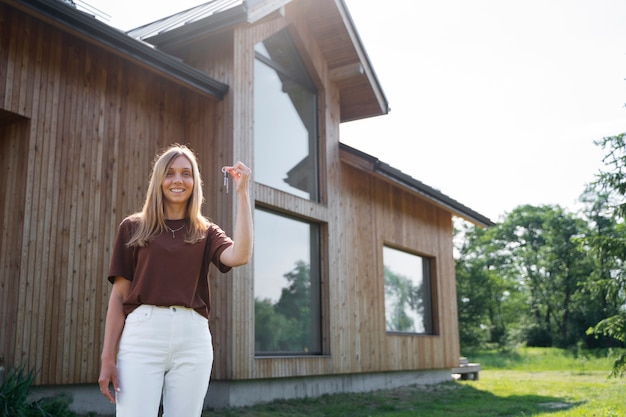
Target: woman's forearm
(114, 324)
(243, 236)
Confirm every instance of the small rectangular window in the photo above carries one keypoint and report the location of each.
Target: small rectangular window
(408, 292)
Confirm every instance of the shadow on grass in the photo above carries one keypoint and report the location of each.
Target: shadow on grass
(433, 401)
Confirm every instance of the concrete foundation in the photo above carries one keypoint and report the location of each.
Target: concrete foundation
(221, 394)
(249, 392)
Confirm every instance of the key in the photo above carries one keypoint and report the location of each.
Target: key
(225, 179)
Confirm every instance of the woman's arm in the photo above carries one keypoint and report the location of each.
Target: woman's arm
(113, 327)
(240, 252)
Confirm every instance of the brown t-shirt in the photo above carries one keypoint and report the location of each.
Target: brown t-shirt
(168, 271)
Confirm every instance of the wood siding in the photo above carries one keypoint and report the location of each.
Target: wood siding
(79, 127)
(75, 162)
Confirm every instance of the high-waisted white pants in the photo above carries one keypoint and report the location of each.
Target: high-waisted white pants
(168, 351)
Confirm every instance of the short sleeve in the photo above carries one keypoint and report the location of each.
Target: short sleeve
(217, 243)
(123, 257)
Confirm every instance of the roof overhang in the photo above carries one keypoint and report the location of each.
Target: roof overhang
(371, 164)
(348, 63)
(98, 33)
(329, 22)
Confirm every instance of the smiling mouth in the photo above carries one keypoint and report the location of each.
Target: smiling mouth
(177, 190)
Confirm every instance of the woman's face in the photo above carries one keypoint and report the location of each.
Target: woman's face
(178, 182)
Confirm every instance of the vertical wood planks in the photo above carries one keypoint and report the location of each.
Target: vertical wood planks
(77, 163)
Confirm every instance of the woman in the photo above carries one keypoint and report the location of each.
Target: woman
(157, 317)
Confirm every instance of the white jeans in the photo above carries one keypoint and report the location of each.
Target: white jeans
(165, 351)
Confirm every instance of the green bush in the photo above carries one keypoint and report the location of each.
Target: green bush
(14, 402)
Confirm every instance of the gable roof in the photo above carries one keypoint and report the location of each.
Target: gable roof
(368, 163)
(92, 30)
(329, 21)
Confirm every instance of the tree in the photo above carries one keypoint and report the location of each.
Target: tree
(522, 278)
(488, 301)
(604, 288)
(550, 264)
(610, 246)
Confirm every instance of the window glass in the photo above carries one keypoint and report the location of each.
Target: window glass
(286, 285)
(408, 302)
(285, 119)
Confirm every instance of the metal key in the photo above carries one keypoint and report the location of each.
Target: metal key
(225, 179)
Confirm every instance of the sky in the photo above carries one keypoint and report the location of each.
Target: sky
(495, 103)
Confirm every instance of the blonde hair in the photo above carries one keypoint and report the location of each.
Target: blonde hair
(151, 219)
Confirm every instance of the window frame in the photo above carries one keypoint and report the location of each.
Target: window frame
(316, 248)
(316, 210)
(430, 277)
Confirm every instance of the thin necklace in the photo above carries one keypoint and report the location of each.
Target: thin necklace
(174, 230)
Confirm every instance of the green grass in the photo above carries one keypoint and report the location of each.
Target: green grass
(537, 382)
(526, 382)
(497, 393)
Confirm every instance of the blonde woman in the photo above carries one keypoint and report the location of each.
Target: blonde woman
(157, 317)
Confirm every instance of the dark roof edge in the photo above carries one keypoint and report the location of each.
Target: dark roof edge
(419, 187)
(119, 41)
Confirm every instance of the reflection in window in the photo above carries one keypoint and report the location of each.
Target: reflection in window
(285, 119)
(286, 285)
(408, 306)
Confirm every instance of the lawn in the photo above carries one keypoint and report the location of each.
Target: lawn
(497, 393)
(538, 382)
(526, 382)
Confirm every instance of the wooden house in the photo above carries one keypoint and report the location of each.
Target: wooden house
(352, 286)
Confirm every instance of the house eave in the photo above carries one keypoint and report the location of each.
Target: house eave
(372, 164)
(89, 28)
(367, 76)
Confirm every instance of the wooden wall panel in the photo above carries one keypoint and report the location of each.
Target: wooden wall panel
(241, 296)
(409, 222)
(13, 157)
(356, 282)
(92, 126)
(398, 218)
